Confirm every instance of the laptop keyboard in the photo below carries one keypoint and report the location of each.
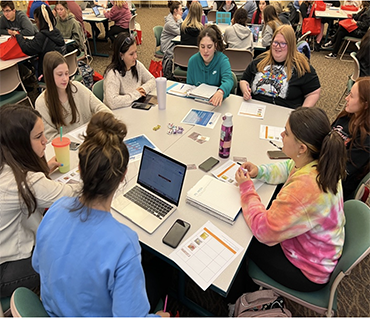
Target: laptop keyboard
(149, 202)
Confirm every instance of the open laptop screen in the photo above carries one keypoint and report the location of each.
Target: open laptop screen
(162, 175)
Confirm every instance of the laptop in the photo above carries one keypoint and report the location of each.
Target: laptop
(255, 29)
(97, 12)
(156, 194)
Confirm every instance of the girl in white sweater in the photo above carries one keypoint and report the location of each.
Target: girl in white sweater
(25, 191)
(64, 103)
(126, 79)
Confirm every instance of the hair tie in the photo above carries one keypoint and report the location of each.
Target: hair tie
(45, 14)
(330, 132)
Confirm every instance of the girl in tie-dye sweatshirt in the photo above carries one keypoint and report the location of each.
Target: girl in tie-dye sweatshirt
(306, 220)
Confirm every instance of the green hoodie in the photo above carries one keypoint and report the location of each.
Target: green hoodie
(71, 29)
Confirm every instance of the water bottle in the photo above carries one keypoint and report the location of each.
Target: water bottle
(226, 134)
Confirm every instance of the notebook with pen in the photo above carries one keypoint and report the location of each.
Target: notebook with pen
(201, 92)
(156, 194)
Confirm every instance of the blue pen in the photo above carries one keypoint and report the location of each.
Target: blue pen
(182, 87)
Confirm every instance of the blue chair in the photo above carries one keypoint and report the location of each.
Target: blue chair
(356, 248)
(223, 17)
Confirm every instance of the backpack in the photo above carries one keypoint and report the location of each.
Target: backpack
(261, 303)
(303, 47)
(87, 74)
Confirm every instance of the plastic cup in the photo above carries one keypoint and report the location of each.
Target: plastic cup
(61, 149)
(161, 84)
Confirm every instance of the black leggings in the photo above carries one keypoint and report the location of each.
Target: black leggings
(338, 38)
(19, 273)
(273, 262)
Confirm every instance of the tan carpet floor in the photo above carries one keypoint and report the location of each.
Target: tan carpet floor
(354, 290)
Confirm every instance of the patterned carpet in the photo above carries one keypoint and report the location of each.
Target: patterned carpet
(354, 290)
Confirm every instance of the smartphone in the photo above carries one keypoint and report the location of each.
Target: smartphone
(208, 164)
(277, 154)
(174, 236)
(141, 105)
(74, 146)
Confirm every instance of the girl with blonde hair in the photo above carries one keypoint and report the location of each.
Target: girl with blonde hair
(192, 25)
(281, 75)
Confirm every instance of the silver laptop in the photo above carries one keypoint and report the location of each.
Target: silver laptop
(157, 192)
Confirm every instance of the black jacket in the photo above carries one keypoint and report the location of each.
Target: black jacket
(363, 22)
(43, 42)
(190, 36)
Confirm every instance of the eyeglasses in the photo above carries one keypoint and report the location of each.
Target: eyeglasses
(7, 11)
(282, 45)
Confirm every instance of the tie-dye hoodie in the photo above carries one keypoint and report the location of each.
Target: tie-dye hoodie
(308, 223)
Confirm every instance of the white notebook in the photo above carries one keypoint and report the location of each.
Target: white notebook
(215, 197)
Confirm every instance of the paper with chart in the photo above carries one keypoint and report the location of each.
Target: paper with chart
(206, 254)
(71, 177)
(226, 173)
(252, 110)
(271, 133)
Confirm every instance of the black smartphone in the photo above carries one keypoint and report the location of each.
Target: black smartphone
(277, 154)
(208, 164)
(74, 145)
(141, 105)
(174, 236)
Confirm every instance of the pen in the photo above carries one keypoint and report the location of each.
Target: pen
(165, 304)
(280, 148)
(182, 87)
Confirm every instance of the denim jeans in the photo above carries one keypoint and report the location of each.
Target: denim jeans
(19, 273)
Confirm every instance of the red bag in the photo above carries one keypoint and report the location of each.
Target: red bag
(155, 68)
(320, 5)
(348, 24)
(10, 49)
(97, 76)
(311, 24)
(349, 8)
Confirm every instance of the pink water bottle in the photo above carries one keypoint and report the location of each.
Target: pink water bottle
(226, 135)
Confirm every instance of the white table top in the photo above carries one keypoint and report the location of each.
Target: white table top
(88, 15)
(245, 143)
(336, 13)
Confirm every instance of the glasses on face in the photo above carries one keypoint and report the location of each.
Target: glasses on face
(7, 11)
(276, 44)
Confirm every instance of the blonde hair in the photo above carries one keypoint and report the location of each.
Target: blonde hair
(294, 59)
(194, 17)
(120, 3)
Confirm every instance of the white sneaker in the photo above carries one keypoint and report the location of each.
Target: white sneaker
(327, 45)
(331, 56)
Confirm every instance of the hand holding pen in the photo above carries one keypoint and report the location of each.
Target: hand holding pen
(163, 313)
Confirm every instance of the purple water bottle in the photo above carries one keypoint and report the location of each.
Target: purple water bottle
(226, 134)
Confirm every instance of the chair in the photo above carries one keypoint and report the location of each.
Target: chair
(72, 63)
(25, 303)
(157, 34)
(356, 248)
(303, 37)
(9, 82)
(349, 40)
(211, 16)
(235, 85)
(223, 17)
(298, 30)
(98, 89)
(181, 56)
(5, 307)
(239, 60)
(131, 26)
(350, 82)
(363, 181)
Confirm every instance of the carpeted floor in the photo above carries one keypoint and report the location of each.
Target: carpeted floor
(354, 290)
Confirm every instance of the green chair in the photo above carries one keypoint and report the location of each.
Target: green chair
(157, 34)
(4, 306)
(10, 81)
(25, 303)
(98, 90)
(356, 248)
(235, 85)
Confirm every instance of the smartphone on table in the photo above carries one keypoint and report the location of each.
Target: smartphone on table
(208, 164)
(277, 154)
(174, 236)
(74, 145)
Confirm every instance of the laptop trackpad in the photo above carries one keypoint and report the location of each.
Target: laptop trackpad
(129, 209)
